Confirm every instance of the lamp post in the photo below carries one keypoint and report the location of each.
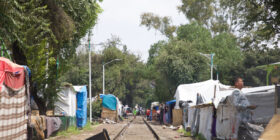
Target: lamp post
(104, 72)
(210, 56)
(89, 65)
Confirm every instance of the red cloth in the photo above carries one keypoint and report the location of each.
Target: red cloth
(11, 74)
(148, 112)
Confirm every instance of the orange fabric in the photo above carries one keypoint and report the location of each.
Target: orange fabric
(11, 74)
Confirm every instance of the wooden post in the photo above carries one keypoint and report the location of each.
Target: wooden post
(215, 92)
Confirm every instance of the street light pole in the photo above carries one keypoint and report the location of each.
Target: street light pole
(103, 79)
(211, 57)
(104, 72)
(89, 64)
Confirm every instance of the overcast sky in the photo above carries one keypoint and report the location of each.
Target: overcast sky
(122, 18)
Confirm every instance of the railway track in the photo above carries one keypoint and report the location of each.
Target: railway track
(137, 129)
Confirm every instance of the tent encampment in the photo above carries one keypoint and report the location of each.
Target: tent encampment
(215, 93)
(14, 100)
(81, 113)
(66, 105)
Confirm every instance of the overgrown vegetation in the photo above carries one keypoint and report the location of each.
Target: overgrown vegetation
(232, 30)
(73, 130)
(96, 108)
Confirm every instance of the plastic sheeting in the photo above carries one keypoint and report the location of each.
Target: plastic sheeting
(168, 115)
(66, 104)
(120, 106)
(171, 102)
(191, 118)
(231, 113)
(265, 102)
(109, 101)
(81, 112)
(226, 118)
(205, 122)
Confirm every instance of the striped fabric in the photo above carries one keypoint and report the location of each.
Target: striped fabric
(13, 118)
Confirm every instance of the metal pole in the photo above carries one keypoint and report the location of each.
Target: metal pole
(212, 66)
(103, 78)
(89, 64)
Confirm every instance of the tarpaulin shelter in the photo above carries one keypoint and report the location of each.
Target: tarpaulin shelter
(154, 108)
(14, 100)
(109, 101)
(109, 107)
(66, 105)
(81, 113)
(170, 105)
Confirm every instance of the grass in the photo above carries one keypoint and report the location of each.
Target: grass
(200, 137)
(73, 130)
(181, 130)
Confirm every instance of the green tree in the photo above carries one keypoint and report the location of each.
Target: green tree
(44, 35)
(162, 24)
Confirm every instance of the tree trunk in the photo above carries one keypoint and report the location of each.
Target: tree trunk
(20, 58)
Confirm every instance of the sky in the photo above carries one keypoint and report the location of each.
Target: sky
(122, 18)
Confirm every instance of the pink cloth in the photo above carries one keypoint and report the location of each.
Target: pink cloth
(11, 74)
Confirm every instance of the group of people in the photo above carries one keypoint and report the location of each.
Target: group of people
(157, 114)
(137, 110)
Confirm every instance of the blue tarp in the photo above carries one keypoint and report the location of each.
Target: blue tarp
(81, 112)
(171, 102)
(109, 101)
(101, 96)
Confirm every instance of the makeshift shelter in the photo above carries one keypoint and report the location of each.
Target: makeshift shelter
(109, 107)
(227, 114)
(170, 106)
(81, 113)
(109, 101)
(66, 105)
(153, 112)
(207, 89)
(204, 120)
(214, 95)
(14, 100)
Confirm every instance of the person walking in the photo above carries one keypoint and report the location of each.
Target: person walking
(161, 114)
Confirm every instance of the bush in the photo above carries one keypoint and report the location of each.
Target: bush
(96, 108)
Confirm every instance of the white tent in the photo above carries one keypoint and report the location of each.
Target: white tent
(66, 103)
(188, 92)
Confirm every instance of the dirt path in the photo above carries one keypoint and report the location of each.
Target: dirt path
(136, 131)
(113, 130)
(167, 133)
